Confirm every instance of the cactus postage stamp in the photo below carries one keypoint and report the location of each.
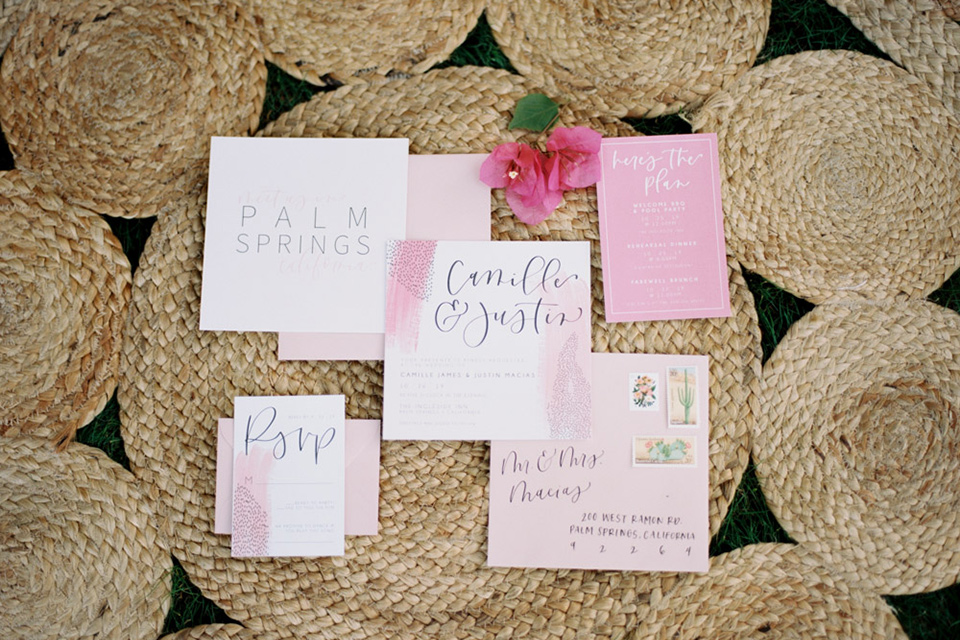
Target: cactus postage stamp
(681, 451)
(683, 402)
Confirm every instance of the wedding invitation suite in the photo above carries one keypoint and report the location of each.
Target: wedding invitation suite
(487, 340)
(296, 230)
(445, 201)
(633, 497)
(288, 476)
(361, 481)
(661, 229)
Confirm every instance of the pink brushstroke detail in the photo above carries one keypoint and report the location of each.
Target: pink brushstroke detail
(409, 277)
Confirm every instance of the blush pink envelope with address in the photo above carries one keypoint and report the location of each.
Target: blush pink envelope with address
(661, 229)
(362, 482)
(610, 503)
(445, 201)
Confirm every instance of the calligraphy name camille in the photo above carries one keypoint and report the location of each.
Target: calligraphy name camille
(541, 280)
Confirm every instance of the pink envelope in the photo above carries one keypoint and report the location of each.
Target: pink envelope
(362, 453)
(445, 201)
(634, 497)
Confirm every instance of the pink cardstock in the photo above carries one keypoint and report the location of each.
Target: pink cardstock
(362, 481)
(661, 229)
(634, 497)
(445, 201)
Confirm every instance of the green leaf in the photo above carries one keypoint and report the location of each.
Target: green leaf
(535, 112)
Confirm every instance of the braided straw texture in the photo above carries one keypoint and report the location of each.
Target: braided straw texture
(920, 35)
(11, 15)
(950, 8)
(64, 291)
(82, 558)
(857, 449)
(425, 574)
(114, 101)
(769, 591)
(838, 176)
(354, 41)
(642, 59)
(213, 632)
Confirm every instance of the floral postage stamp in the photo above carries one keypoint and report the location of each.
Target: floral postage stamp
(643, 392)
(680, 451)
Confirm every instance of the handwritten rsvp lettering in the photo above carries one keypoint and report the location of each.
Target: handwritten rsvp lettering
(540, 277)
(262, 427)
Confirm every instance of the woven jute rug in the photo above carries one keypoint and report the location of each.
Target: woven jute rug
(768, 591)
(64, 295)
(114, 101)
(838, 176)
(333, 43)
(920, 35)
(213, 632)
(425, 575)
(857, 450)
(646, 58)
(11, 15)
(82, 557)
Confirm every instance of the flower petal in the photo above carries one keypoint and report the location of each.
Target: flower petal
(495, 169)
(579, 170)
(578, 139)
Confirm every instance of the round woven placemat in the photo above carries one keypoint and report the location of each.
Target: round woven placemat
(838, 176)
(333, 43)
(767, 591)
(82, 557)
(115, 101)
(425, 575)
(858, 445)
(920, 35)
(11, 15)
(213, 632)
(64, 291)
(646, 58)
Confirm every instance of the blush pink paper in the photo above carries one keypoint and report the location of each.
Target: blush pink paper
(445, 201)
(362, 454)
(661, 229)
(584, 505)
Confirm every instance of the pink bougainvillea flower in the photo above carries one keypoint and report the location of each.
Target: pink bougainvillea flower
(519, 169)
(575, 162)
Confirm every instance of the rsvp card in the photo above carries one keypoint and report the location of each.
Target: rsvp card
(361, 477)
(445, 201)
(288, 476)
(296, 231)
(634, 497)
(487, 340)
(661, 229)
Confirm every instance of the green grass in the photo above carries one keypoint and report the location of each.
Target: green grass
(796, 25)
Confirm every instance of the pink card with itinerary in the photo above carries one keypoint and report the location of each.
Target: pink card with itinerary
(487, 340)
(634, 497)
(445, 201)
(661, 229)
(362, 480)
